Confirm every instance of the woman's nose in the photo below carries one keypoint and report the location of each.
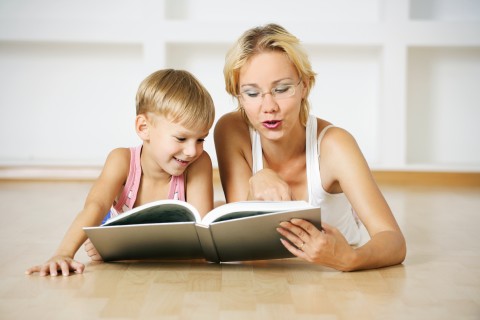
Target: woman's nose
(269, 104)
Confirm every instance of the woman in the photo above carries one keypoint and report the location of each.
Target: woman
(271, 148)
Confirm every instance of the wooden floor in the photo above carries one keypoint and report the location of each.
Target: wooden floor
(440, 278)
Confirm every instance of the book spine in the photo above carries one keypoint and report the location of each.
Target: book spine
(208, 246)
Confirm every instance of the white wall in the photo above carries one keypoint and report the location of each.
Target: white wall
(402, 76)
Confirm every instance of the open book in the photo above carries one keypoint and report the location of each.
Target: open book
(172, 229)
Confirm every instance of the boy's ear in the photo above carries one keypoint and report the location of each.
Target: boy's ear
(142, 127)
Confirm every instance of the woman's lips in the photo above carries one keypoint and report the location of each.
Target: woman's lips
(271, 124)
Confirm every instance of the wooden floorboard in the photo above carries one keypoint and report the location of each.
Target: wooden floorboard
(440, 278)
(428, 178)
(82, 173)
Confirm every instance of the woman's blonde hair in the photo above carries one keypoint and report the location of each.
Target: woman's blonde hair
(178, 96)
(271, 37)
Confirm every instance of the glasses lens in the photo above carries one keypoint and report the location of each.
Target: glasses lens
(253, 96)
(283, 91)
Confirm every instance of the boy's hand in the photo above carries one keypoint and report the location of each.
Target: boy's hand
(55, 264)
(91, 251)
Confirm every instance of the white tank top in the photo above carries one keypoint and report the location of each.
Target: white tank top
(335, 208)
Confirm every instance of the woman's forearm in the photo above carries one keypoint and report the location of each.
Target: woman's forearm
(386, 248)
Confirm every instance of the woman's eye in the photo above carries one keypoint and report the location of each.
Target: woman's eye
(180, 139)
(281, 89)
(252, 94)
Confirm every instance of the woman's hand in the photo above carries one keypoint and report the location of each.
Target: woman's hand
(91, 251)
(57, 263)
(327, 247)
(267, 185)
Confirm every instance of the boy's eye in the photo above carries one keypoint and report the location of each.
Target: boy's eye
(180, 139)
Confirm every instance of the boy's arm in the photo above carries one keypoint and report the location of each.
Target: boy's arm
(97, 204)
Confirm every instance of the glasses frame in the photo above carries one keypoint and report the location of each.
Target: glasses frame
(272, 92)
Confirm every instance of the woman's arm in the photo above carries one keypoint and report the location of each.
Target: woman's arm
(267, 185)
(344, 169)
(344, 165)
(234, 154)
(232, 143)
(199, 187)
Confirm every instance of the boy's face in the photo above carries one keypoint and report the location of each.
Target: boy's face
(172, 146)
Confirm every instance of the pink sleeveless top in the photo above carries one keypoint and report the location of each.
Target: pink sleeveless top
(128, 196)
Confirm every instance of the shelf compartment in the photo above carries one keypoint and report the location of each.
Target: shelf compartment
(273, 11)
(445, 10)
(443, 106)
(72, 102)
(347, 91)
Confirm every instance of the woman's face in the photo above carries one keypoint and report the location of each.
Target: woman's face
(265, 73)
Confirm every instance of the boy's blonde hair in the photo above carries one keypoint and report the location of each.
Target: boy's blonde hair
(271, 37)
(178, 96)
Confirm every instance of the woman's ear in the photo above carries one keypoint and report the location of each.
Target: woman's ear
(142, 127)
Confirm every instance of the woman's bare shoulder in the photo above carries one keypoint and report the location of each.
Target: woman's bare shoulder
(336, 142)
(231, 126)
(322, 124)
(202, 164)
(231, 120)
(333, 133)
(339, 151)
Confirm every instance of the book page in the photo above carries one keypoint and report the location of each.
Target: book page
(163, 211)
(242, 209)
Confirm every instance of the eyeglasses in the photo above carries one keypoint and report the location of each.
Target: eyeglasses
(255, 97)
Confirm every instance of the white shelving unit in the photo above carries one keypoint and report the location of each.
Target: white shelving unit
(402, 75)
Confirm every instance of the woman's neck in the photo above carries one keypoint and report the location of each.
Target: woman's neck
(283, 151)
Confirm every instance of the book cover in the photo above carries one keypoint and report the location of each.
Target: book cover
(172, 229)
